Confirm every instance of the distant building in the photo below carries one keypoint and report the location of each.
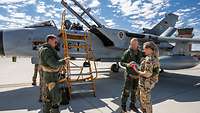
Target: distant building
(185, 33)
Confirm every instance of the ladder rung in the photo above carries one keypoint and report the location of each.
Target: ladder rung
(76, 40)
(76, 46)
(77, 53)
(82, 91)
(80, 74)
(77, 33)
(75, 37)
(76, 66)
(81, 83)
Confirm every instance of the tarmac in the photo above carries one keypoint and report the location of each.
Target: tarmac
(177, 91)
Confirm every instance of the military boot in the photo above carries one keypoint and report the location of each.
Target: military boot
(132, 107)
(143, 110)
(123, 109)
(34, 82)
(40, 99)
(46, 107)
(55, 109)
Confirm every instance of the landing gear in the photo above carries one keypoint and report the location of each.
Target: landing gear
(115, 67)
(86, 64)
(162, 70)
(14, 59)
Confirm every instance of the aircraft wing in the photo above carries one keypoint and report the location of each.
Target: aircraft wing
(159, 39)
(179, 39)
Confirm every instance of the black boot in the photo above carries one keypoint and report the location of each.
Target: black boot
(123, 108)
(132, 107)
(55, 109)
(34, 82)
(46, 107)
(39, 100)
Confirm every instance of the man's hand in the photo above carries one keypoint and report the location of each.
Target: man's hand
(130, 63)
(133, 68)
(66, 59)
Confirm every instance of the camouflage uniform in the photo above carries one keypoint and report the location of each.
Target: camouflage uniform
(151, 66)
(42, 84)
(50, 63)
(131, 81)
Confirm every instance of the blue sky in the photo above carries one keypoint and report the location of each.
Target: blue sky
(131, 15)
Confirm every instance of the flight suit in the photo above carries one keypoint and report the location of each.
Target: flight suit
(131, 80)
(151, 65)
(50, 63)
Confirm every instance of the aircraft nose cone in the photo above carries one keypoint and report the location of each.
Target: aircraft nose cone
(1, 44)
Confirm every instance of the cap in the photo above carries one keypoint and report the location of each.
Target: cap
(50, 36)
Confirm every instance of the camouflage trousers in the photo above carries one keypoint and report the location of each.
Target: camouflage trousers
(51, 93)
(42, 85)
(130, 87)
(145, 99)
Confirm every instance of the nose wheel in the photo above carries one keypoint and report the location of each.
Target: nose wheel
(162, 71)
(115, 67)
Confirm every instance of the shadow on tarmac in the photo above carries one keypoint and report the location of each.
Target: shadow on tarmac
(23, 98)
(178, 87)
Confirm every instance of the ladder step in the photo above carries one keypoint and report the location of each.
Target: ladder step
(75, 37)
(80, 74)
(76, 66)
(77, 53)
(82, 91)
(76, 33)
(76, 40)
(81, 83)
(78, 46)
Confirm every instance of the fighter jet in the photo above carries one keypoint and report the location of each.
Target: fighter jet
(110, 43)
(107, 44)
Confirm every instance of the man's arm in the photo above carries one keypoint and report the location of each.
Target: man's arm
(52, 61)
(124, 59)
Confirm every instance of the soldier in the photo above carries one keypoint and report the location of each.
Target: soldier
(35, 74)
(148, 75)
(131, 80)
(35, 61)
(50, 63)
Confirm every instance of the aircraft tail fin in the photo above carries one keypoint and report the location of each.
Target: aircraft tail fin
(169, 32)
(169, 21)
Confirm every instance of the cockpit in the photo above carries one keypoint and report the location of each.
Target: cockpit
(42, 24)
